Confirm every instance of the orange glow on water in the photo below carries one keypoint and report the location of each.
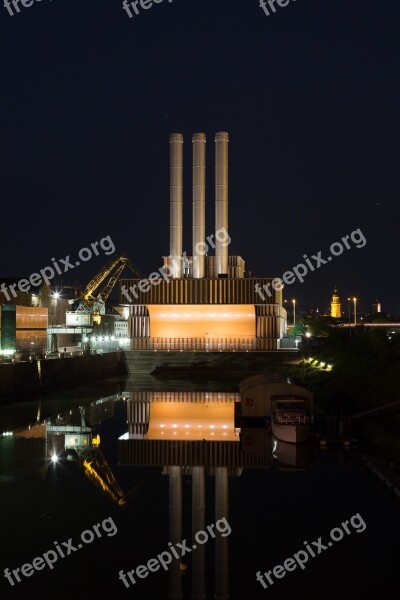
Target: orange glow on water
(192, 421)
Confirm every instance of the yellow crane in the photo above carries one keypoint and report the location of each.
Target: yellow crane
(92, 300)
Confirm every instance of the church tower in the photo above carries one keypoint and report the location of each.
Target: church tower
(335, 305)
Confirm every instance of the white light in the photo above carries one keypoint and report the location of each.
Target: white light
(54, 458)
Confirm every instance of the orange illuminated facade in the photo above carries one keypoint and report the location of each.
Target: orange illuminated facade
(202, 321)
(23, 328)
(204, 314)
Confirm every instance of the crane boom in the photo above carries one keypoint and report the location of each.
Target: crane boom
(91, 300)
(98, 279)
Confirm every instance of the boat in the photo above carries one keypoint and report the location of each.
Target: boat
(291, 421)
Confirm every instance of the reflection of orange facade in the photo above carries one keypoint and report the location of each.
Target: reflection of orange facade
(192, 421)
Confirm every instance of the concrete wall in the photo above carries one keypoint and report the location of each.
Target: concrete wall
(22, 379)
(188, 364)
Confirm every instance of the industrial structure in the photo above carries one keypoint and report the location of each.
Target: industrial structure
(202, 302)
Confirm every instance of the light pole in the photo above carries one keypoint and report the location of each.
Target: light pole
(294, 311)
(349, 300)
(54, 338)
(355, 310)
(308, 336)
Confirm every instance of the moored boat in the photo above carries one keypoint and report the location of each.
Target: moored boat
(290, 421)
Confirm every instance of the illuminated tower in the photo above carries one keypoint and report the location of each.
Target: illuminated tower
(335, 305)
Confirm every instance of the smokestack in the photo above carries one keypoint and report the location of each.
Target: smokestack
(221, 202)
(199, 204)
(175, 202)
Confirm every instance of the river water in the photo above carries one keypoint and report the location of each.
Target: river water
(169, 465)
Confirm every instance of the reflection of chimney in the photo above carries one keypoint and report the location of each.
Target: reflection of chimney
(221, 202)
(221, 543)
(175, 228)
(198, 524)
(199, 203)
(175, 529)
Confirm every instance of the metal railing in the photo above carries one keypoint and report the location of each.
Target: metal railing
(244, 344)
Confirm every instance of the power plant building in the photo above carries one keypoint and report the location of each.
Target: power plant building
(202, 301)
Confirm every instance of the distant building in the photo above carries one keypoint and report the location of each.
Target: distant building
(336, 306)
(121, 329)
(376, 308)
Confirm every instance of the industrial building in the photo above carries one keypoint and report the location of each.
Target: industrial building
(26, 319)
(202, 301)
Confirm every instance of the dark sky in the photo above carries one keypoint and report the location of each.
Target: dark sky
(309, 96)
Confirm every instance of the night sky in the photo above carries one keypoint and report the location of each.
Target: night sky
(309, 96)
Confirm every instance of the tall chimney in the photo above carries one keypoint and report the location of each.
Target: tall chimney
(221, 202)
(199, 204)
(175, 202)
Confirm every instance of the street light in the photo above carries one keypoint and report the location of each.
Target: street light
(294, 311)
(355, 310)
(349, 300)
(54, 318)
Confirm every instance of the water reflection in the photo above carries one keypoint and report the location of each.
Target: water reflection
(193, 435)
(190, 435)
(190, 477)
(67, 437)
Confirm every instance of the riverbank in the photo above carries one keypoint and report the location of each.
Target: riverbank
(23, 379)
(382, 471)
